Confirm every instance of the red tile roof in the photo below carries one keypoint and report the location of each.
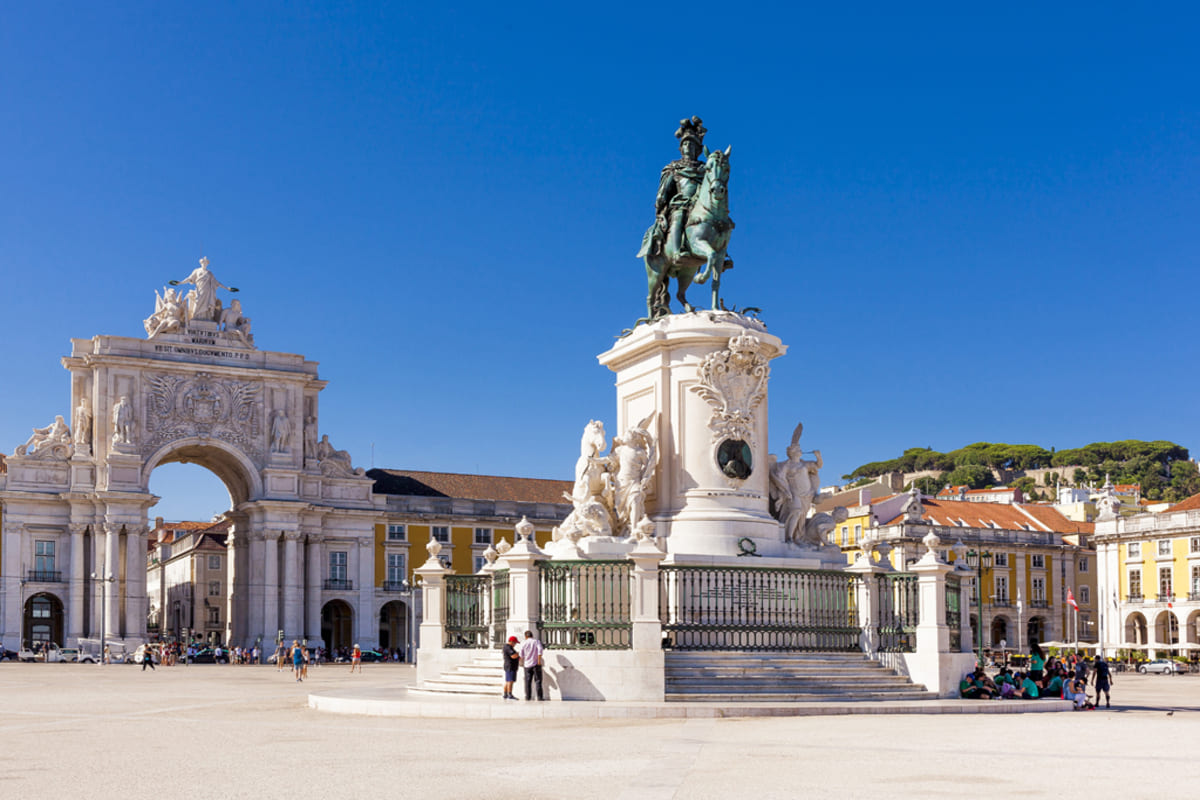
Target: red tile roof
(474, 487)
(1189, 504)
(959, 513)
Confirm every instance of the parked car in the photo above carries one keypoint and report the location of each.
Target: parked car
(371, 656)
(72, 655)
(1162, 666)
(209, 656)
(7, 655)
(48, 652)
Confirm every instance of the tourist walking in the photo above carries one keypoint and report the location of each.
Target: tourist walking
(148, 659)
(510, 660)
(1102, 679)
(356, 659)
(531, 660)
(297, 660)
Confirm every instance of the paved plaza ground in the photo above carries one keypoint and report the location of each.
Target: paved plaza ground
(222, 731)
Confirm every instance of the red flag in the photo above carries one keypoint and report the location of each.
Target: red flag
(1071, 600)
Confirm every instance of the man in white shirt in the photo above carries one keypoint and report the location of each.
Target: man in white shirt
(531, 660)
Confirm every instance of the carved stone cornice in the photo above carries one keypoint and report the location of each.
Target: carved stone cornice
(293, 536)
(78, 528)
(315, 538)
(271, 535)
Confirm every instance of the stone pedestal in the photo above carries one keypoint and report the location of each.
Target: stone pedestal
(705, 375)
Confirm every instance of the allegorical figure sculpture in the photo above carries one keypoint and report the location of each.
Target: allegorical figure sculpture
(794, 484)
(52, 440)
(592, 492)
(83, 424)
(281, 432)
(310, 437)
(202, 303)
(168, 315)
(233, 321)
(335, 461)
(609, 495)
(122, 419)
(691, 226)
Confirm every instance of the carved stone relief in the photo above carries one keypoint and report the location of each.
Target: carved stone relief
(179, 407)
(734, 382)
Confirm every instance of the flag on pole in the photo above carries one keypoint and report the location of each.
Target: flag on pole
(1071, 600)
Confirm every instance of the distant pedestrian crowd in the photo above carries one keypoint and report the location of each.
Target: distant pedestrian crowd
(1065, 679)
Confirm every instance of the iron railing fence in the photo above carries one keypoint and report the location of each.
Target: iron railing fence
(499, 606)
(585, 604)
(339, 584)
(899, 612)
(43, 576)
(954, 611)
(758, 608)
(468, 618)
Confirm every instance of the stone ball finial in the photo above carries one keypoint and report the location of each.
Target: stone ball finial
(491, 554)
(434, 547)
(503, 546)
(525, 529)
(931, 541)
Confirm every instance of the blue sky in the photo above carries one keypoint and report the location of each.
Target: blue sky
(966, 225)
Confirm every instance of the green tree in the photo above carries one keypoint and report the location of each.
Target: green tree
(1026, 485)
(975, 476)
(1185, 481)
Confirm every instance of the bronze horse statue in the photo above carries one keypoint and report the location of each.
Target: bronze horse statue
(705, 239)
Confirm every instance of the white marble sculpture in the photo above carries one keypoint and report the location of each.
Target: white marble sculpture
(335, 462)
(281, 432)
(202, 303)
(818, 527)
(609, 496)
(794, 485)
(310, 437)
(592, 494)
(169, 314)
(235, 323)
(1108, 505)
(734, 383)
(83, 426)
(50, 442)
(122, 419)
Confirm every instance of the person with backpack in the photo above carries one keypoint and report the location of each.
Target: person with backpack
(1102, 679)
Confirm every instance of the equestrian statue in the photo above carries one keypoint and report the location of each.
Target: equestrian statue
(692, 225)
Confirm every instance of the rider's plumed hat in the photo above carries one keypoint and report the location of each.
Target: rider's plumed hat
(692, 129)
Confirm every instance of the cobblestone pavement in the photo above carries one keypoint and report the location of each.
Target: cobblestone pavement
(221, 731)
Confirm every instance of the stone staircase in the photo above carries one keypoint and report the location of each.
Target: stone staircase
(722, 677)
(482, 677)
(730, 677)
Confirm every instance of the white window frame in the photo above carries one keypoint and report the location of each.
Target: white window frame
(484, 536)
(1038, 588)
(214, 615)
(1195, 544)
(1084, 564)
(1135, 574)
(1163, 548)
(396, 532)
(1000, 585)
(1133, 550)
(214, 588)
(44, 553)
(214, 562)
(1037, 560)
(444, 537)
(480, 561)
(339, 569)
(392, 569)
(1085, 594)
(1195, 579)
(1169, 573)
(1001, 559)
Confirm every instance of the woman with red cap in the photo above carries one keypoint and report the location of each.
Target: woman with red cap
(510, 667)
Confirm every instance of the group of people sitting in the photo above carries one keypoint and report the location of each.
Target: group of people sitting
(1045, 677)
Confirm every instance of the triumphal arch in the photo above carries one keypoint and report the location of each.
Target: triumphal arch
(75, 496)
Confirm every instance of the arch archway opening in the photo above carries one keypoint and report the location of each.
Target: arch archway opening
(394, 633)
(1000, 637)
(1035, 630)
(43, 620)
(1136, 629)
(337, 627)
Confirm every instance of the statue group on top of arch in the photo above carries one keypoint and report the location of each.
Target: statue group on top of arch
(609, 496)
(176, 313)
(794, 485)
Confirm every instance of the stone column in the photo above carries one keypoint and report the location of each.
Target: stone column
(111, 567)
(10, 580)
(135, 583)
(933, 664)
(869, 602)
(312, 589)
(78, 585)
(252, 583)
(270, 584)
(293, 601)
(523, 600)
(368, 625)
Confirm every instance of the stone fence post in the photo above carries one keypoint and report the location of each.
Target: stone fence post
(523, 598)
(933, 664)
(644, 596)
(433, 589)
(868, 602)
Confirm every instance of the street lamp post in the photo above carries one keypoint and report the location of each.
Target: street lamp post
(408, 591)
(103, 607)
(980, 561)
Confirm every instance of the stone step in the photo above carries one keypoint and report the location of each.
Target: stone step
(792, 669)
(798, 697)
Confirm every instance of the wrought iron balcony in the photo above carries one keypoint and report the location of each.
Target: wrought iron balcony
(394, 586)
(1166, 598)
(1039, 604)
(339, 584)
(1193, 595)
(1136, 598)
(43, 576)
(1002, 602)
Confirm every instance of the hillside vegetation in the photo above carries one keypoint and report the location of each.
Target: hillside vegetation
(1162, 468)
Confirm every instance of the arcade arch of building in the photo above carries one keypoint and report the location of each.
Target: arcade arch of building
(75, 497)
